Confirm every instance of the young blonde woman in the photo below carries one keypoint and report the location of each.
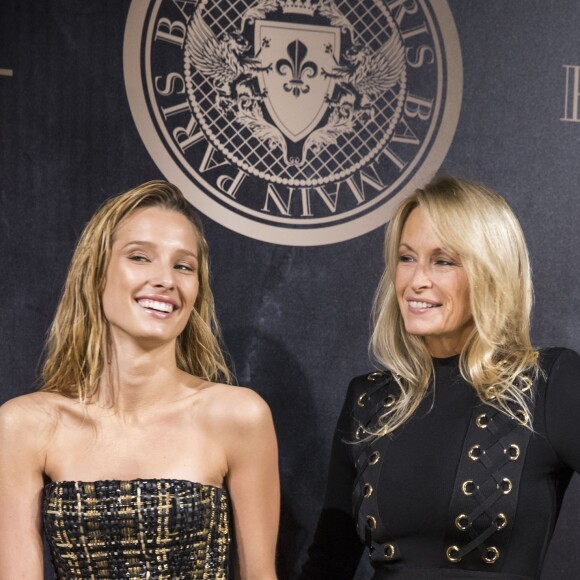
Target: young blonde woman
(134, 458)
(453, 460)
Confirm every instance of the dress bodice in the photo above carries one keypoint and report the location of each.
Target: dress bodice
(144, 528)
(459, 491)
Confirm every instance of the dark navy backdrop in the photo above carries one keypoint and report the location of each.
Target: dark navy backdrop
(296, 319)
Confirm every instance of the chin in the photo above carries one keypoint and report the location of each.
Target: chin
(161, 335)
(419, 330)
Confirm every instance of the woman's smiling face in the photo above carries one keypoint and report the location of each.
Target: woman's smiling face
(432, 288)
(152, 278)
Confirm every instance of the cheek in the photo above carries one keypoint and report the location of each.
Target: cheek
(462, 302)
(400, 282)
(467, 305)
(192, 292)
(108, 295)
(110, 300)
(112, 288)
(118, 286)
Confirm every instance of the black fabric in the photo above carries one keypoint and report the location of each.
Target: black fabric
(418, 469)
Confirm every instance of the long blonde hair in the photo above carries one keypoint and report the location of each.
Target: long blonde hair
(498, 359)
(77, 343)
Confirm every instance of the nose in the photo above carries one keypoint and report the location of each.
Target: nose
(163, 276)
(421, 278)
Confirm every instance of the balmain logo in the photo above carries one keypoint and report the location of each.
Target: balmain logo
(294, 121)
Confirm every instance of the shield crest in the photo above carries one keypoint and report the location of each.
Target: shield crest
(296, 87)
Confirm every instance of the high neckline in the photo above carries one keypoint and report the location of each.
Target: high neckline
(448, 361)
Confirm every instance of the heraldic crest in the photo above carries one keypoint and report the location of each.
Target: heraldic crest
(296, 80)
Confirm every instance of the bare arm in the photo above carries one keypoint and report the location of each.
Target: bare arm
(21, 485)
(254, 486)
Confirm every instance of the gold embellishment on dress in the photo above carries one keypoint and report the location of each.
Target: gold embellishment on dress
(361, 400)
(374, 457)
(389, 551)
(482, 421)
(522, 416)
(450, 554)
(389, 401)
(468, 487)
(367, 490)
(513, 452)
(462, 522)
(145, 528)
(506, 485)
(500, 521)
(475, 452)
(489, 393)
(374, 376)
(491, 555)
(371, 523)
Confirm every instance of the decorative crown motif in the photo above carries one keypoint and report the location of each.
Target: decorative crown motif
(307, 7)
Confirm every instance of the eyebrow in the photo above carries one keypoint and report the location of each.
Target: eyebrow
(435, 250)
(151, 245)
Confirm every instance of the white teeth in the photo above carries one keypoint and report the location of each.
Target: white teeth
(156, 305)
(417, 304)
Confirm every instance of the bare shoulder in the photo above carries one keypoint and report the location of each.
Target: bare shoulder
(29, 414)
(237, 406)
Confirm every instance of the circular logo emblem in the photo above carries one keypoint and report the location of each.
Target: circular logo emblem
(298, 122)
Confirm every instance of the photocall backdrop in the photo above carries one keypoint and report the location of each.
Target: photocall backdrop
(294, 127)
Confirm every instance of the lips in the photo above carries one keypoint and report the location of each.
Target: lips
(420, 304)
(156, 305)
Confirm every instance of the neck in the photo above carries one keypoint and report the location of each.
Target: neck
(138, 378)
(443, 350)
(444, 346)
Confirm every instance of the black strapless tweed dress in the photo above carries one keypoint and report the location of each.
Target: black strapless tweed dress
(160, 529)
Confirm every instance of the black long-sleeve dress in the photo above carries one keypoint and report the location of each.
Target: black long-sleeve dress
(460, 491)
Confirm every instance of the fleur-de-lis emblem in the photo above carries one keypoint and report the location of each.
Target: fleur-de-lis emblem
(297, 66)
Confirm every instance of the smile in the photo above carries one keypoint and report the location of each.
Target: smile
(156, 305)
(417, 304)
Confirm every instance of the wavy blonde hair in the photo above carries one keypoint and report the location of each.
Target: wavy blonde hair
(78, 340)
(498, 359)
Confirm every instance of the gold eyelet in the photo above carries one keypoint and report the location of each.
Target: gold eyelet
(371, 523)
(361, 400)
(374, 376)
(367, 490)
(374, 457)
(389, 401)
(359, 433)
(491, 555)
(475, 452)
(513, 452)
(389, 551)
(450, 551)
(468, 487)
(522, 416)
(489, 394)
(482, 421)
(506, 485)
(500, 521)
(462, 522)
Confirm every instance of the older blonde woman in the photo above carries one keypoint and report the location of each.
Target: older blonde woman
(452, 461)
(134, 457)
